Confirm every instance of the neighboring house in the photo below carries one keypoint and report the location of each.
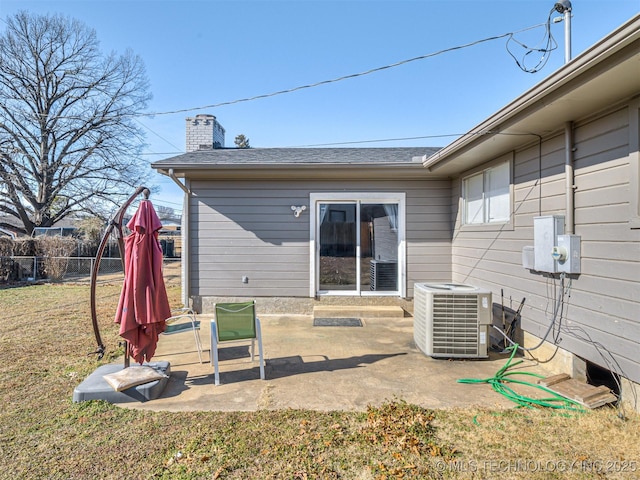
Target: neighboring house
(170, 238)
(568, 147)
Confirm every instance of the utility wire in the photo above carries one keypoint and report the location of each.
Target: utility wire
(378, 140)
(356, 142)
(509, 35)
(156, 134)
(422, 137)
(549, 45)
(333, 80)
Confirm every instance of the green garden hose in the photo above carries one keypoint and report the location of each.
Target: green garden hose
(499, 382)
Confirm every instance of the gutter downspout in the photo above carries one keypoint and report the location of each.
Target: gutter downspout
(173, 177)
(569, 179)
(186, 251)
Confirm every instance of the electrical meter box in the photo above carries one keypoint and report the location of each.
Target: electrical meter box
(568, 251)
(545, 232)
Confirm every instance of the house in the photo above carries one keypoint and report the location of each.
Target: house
(567, 148)
(303, 222)
(317, 223)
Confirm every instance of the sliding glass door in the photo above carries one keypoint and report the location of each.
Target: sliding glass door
(358, 245)
(338, 262)
(379, 247)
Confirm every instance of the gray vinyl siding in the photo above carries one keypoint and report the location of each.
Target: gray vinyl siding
(602, 313)
(247, 228)
(428, 233)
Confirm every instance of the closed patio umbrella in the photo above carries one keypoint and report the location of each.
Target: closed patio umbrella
(143, 306)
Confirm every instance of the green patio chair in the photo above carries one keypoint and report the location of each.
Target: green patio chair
(184, 320)
(235, 322)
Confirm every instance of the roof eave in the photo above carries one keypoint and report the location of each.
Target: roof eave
(288, 170)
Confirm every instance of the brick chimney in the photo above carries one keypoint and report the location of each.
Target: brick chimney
(204, 133)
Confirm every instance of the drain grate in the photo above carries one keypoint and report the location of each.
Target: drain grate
(337, 322)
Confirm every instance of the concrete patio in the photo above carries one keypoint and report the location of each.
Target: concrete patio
(323, 368)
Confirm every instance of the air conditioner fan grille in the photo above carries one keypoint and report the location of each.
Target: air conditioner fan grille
(455, 324)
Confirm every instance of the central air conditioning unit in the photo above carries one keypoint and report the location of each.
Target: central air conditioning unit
(451, 320)
(384, 275)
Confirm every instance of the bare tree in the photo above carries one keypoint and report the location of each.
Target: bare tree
(167, 213)
(68, 138)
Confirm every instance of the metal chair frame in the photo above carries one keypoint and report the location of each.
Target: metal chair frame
(230, 330)
(174, 326)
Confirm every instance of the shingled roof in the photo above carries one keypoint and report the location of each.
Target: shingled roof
(296, 156)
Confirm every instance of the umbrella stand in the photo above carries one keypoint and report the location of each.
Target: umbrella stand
(114, 225)
(116, 383)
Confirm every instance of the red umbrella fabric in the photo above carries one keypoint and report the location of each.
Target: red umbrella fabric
(143, 306)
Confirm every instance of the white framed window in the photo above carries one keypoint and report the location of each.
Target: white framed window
(487, 195)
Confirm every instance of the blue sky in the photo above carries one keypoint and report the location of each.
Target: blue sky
(205, 52)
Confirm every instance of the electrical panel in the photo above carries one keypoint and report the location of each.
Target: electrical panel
(545, 232)
(553, 251)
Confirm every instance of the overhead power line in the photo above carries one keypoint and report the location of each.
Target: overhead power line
(157, 134)
(548, 45)
(380, 140)
(422, 137)
(377, 140)
(509, 35)
(333, 80)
